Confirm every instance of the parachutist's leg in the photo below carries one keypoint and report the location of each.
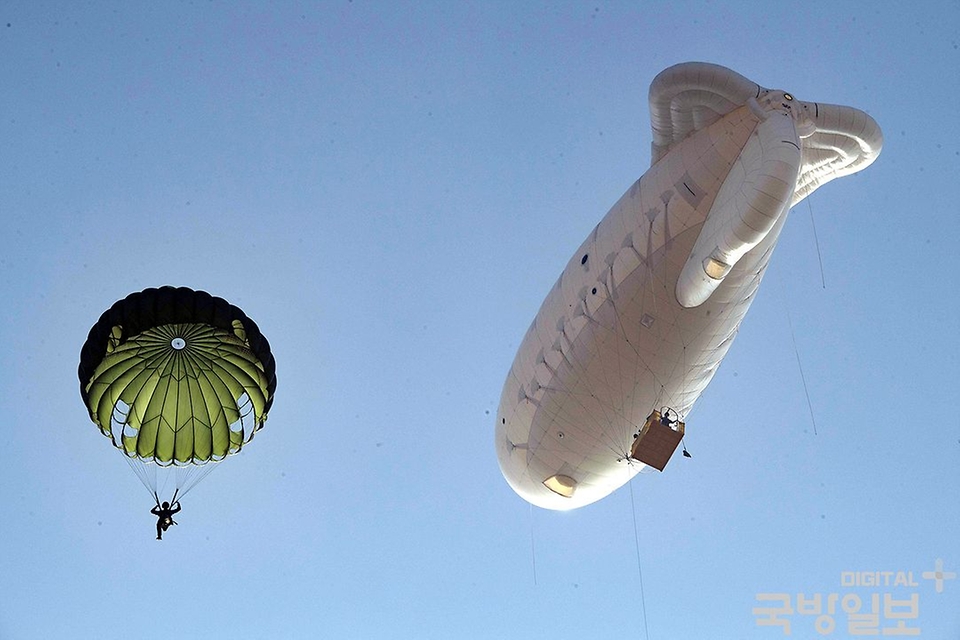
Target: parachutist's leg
(159, 534)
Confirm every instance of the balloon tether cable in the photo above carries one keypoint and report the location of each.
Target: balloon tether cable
(636, 539)
(533, 548)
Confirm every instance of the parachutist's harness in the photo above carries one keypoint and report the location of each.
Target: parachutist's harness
(165, 516)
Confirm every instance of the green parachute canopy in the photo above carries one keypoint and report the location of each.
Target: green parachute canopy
(176, 377)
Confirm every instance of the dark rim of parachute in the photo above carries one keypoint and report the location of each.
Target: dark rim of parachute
(156, 307)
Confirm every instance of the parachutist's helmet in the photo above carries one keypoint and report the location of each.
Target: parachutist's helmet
(165, 505)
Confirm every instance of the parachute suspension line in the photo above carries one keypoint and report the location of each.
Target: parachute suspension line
(816, 241)
(148, 480)
(636, 539)
(155, 479)
(190, 476)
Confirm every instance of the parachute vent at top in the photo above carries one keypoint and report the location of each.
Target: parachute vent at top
(175, 376)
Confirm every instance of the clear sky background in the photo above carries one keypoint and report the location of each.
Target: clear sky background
(389, 190)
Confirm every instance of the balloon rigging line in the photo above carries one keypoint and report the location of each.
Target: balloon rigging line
(555, 416)
(627, 425)
(619, 330)
(640, 359)
(574, 363)
(816, 241)
(796, 351)
(611, 413)
(803, 379)
(636, 539)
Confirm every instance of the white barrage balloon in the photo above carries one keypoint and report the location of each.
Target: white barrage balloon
(650, 303)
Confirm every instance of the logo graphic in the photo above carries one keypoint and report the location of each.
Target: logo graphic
(938, 575)
(870, 603)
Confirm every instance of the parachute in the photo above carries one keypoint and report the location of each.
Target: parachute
(178, 380)
(647, 307)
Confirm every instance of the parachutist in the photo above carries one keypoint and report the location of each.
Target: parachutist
(176, 354)
(164, 513)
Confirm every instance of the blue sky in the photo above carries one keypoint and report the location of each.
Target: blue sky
(390, 190)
